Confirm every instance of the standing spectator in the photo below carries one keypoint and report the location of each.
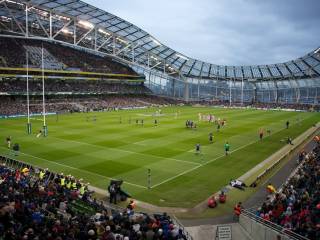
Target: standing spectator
(112, 189)
(237, 210)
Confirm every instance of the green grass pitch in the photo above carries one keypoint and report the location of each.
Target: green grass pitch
(104, 149)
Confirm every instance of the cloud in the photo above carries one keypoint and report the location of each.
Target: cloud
(233, 32)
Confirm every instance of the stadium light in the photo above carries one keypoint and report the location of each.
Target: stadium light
(103, 31)
(60, 18)
(66, 31)
(121, 40)
(181, 56)
(86, 24)
(317, 51)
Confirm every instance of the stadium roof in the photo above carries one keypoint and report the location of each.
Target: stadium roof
(175, 62)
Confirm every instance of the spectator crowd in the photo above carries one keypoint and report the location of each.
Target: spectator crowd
(18, 105)
(36, 204)
(13, 54)
(297, 206)
(75, 86)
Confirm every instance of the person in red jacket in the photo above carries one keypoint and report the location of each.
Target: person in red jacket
(212, 203)
(237, 209)
(222, 197)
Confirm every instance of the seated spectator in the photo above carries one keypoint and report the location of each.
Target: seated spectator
(222, 197)
(297, 206)
(212, 203)
(31, 208)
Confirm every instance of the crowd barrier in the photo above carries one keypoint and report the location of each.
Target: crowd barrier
(25, 115)
(260, 229)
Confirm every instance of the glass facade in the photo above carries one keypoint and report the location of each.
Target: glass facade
(305, 91)
(167, 72)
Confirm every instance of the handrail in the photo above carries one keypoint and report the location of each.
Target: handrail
(177, 222)
(281, 230)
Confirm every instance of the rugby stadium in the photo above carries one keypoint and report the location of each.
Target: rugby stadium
(107, 133)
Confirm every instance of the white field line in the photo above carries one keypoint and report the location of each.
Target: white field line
(212, 160)
(122, 150)
(168, 179)
(78, 169)
(36, 119)
(201, 165)
(140, 143)
(127, 151)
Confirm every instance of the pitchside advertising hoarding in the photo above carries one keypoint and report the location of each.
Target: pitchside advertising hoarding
(25, 115)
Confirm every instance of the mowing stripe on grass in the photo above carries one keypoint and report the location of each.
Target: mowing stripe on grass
(127, 151)
(120, 150)
(212, 160)
(78, 169)
(192, 169)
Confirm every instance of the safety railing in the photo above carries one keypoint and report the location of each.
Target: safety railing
(249, 221)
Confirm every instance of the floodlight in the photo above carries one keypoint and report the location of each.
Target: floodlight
(66, 31)
(86, 24)
(103, 31)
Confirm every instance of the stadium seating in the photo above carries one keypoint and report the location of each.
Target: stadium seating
(13, 54)
(37, 204)
(72, 86)
(49, 61)
(17, 105)
(297, 206)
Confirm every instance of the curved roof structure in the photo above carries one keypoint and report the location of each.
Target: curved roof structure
(145, 49)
